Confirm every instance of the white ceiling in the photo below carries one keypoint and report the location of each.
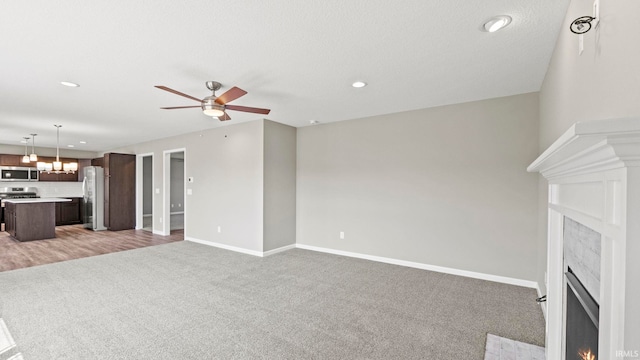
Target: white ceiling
(297, 58)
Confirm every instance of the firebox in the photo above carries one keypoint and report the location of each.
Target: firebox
(582, 321)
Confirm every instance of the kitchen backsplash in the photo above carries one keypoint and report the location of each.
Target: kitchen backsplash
(50, 188)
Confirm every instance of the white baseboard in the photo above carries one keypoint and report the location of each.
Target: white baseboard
(279, 250)
(6, 340)
(441, 269)
(176, 213)
(158, 232)
(543, 305)
(239, 249)
(224, 246)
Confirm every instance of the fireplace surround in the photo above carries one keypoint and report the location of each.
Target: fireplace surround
(581, 325)
(593, 172)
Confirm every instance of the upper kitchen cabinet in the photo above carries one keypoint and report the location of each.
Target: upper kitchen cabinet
(10, 160)
(98, 162)
(119, 191)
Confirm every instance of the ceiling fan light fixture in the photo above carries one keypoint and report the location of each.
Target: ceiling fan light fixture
(211, 108)
(497, 23)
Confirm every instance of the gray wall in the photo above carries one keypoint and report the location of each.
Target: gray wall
(177, 183)
(227, 166)
(602, 83)
(445, 186)
(147, 185)
(279, 185)
(244, 181)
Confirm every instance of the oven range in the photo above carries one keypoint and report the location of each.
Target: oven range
(28, 192)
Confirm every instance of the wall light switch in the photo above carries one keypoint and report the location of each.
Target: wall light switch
(341, 235)
(219, 229)
(190, 179)
(157, 190)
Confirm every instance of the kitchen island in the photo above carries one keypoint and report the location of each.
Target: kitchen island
(31, 219)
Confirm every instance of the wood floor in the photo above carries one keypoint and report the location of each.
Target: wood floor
(74, 242)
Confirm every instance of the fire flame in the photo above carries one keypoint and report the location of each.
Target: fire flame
(586, 354)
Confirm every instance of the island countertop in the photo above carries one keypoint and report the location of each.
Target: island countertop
(35, 200)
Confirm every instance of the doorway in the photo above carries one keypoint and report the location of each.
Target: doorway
(144, 189)
(173, 200)
(176, 191)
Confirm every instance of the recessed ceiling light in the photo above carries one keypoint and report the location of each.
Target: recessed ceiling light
(82, 142)
(359, 84)
(496, 23)
(313, 122)
(71, 145)
(69, 84)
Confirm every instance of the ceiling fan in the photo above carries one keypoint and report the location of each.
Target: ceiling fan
(216, 106)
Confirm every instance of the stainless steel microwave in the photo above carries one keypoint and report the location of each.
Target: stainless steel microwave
(16, 173)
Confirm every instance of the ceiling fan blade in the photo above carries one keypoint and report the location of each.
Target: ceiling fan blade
(180, 107)
(177, 93)
(247, 109)
(224, 117)
(230, 95)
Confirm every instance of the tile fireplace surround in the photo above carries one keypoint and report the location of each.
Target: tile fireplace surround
(594, 179)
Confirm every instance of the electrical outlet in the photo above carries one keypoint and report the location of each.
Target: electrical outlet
(341, 235)
(219, 229)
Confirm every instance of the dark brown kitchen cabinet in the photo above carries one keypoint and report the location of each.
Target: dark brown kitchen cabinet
(30, 221)
(119, 191)
(69, 213)
(98, 162)
(10, 160)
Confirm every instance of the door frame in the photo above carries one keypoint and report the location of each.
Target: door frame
(166, 190)
(139, 190)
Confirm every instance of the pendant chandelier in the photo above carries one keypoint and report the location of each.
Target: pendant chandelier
(25, 158)
(57, 167)
(33, 157)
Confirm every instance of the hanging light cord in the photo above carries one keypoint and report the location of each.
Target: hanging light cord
(58, 142)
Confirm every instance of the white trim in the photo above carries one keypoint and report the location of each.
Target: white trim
(157, 232)
(440, 269)
(226, 247)
(542, 304)
(5, 338)
(593, 171)
(140, 187)
(279, 250)
(177, 213)
(166, 196)
(241, 250)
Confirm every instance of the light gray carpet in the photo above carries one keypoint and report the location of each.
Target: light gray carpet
(190, 301)
(500, 348)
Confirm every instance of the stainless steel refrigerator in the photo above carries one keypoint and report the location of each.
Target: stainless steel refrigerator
(93, 188)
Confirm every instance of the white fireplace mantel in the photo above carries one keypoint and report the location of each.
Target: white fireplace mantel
(593, 171)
